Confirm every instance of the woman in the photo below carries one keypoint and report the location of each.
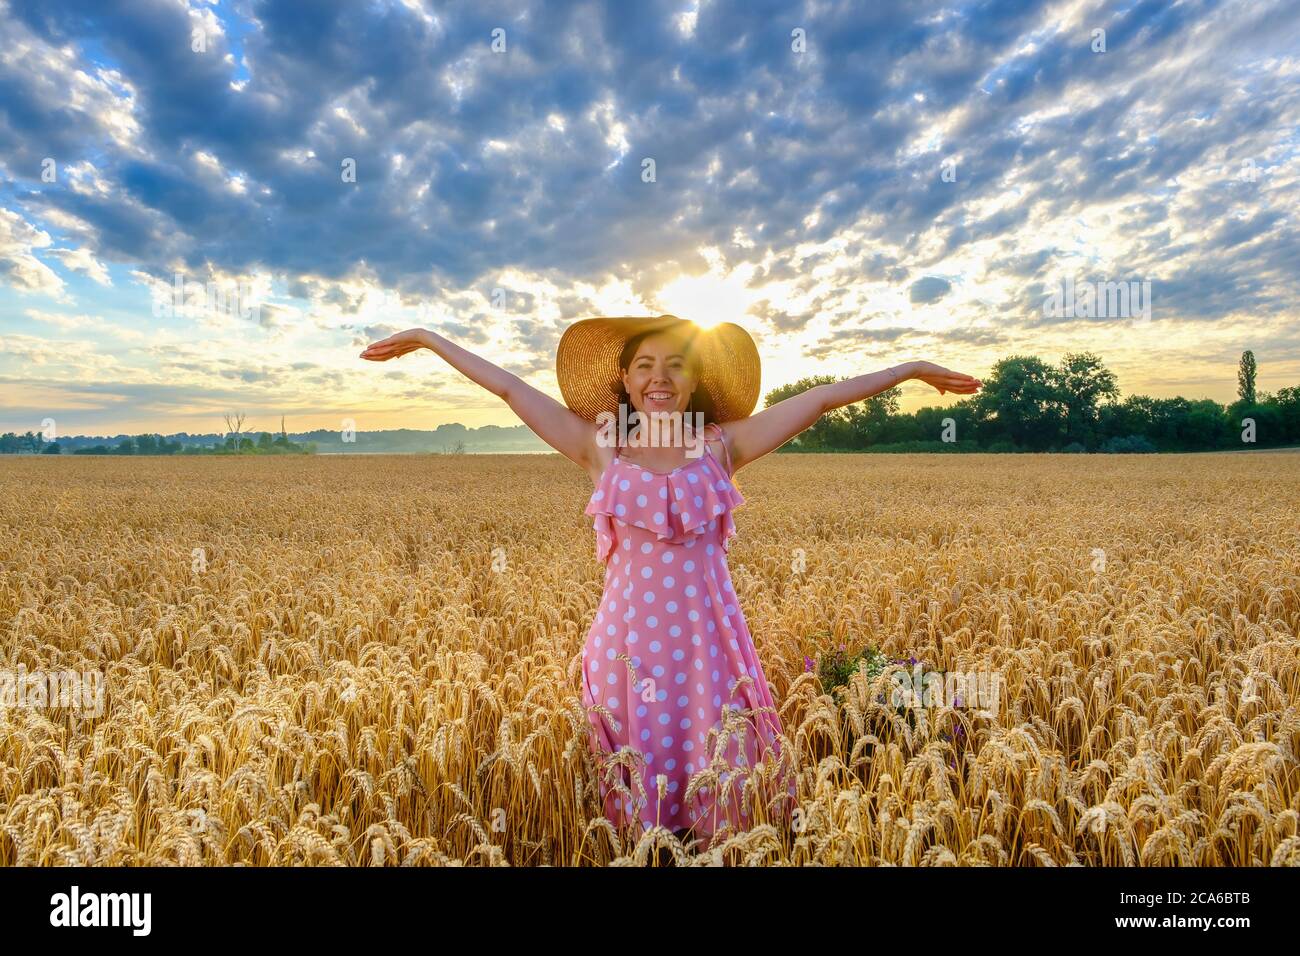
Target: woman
(671, 680)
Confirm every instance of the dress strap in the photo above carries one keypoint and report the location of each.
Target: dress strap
(726, 452)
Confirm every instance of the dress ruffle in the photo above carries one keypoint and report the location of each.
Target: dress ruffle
(674, 506)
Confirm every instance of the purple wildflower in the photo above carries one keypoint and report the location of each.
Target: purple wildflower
(807, 663)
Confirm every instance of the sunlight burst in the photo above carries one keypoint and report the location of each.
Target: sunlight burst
(706, 299)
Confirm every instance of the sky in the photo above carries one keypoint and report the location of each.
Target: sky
(856, 184)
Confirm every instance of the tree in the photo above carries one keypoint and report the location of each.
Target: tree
(1021, 401)
(1246, 377)
(1084, 380)
(824, 432)
(868, 421)
(52, 449)
(234, 425)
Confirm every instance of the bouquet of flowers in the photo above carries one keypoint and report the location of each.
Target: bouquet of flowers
(836, 668)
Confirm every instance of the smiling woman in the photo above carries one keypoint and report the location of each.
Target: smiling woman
(683, 723)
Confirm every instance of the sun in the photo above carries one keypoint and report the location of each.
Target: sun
(706, 299)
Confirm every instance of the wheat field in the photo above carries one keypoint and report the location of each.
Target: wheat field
(375, 660)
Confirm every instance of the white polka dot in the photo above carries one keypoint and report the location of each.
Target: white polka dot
(641, 500)
(625, 484)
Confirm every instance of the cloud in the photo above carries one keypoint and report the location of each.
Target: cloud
(19, 267)
(81, 260)
(929, 289)
(813, 182)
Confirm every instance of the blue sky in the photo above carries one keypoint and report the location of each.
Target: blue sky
(857, 184)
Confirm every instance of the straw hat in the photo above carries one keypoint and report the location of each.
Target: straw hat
(586, 363)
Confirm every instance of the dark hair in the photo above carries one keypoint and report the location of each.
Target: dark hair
(700, 400)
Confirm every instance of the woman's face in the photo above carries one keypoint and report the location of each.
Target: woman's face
(659, 379)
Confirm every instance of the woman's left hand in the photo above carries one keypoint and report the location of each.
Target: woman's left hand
(945, 380)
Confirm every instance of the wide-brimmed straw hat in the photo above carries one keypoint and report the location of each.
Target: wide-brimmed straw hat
(586, 363)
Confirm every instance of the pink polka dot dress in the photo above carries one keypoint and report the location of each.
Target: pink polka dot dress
(668, 648)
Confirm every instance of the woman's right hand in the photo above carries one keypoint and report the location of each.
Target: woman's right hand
(395, 345)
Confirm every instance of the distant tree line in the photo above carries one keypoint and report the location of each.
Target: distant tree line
(1026, 404)
(265, 444)
(234, 443)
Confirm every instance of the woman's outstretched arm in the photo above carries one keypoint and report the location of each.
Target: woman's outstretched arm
(560, 427)
(755, 436)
